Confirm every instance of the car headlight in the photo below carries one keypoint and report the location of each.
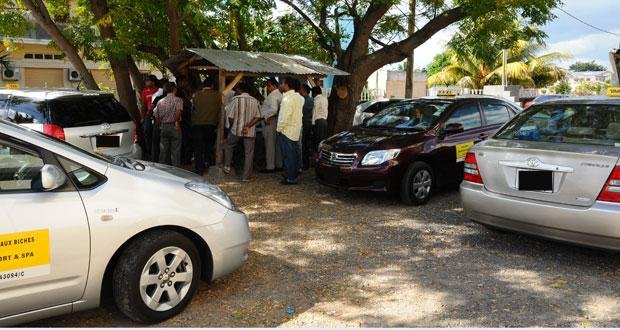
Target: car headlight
(213, 192)
(378, 157)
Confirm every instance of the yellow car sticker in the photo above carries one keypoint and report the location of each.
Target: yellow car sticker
(24, 254)
(462, 149)
(613, 91)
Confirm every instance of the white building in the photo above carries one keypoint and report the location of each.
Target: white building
(574, 78)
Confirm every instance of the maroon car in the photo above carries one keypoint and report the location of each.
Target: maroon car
(411, 147)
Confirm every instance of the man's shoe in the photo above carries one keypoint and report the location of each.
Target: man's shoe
(267, 171)
(226, 169)
(288, 183)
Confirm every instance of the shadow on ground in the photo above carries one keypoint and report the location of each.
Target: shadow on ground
(356, 259)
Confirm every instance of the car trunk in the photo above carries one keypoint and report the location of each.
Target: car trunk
(111, 139)
(96, 123)
(560, 173)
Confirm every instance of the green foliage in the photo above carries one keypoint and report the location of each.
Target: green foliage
(562, 87)
(586, 66)
(523, 68)
(586, 88)
(13, 19)
(439, 62)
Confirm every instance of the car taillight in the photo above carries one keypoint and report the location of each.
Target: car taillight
(611, 190)
(54, 130)
(472, 172)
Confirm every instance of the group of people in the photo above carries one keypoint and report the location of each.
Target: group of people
(177, 124)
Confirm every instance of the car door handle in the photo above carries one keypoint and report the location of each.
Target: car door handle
(483, 136)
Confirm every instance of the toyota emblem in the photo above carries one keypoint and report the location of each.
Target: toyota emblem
(533, 162)
(106, 127)
(332, 156)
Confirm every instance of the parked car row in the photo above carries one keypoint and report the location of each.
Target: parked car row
(552, 170)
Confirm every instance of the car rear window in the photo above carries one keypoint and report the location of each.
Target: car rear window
(86, 111)
(597, 124)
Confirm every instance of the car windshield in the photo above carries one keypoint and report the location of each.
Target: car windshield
(416, 115)
(597, 124)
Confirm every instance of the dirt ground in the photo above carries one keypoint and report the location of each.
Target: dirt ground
(338, 259)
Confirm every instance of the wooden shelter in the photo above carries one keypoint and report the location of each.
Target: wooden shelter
(237, 64)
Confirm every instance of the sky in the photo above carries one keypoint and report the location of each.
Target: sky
(565, 34)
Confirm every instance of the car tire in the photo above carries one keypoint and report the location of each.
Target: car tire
(417, 184)
(150, 270)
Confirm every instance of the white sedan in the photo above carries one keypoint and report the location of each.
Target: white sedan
(77, 226)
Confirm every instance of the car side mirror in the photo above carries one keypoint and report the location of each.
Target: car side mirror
(453, 128)
(52, 177)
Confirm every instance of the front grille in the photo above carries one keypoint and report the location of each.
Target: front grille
(337, 159)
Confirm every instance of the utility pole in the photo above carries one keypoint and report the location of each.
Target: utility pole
(504, 63)
(410, 66)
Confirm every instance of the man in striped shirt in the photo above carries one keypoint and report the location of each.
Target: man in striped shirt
(243, 114)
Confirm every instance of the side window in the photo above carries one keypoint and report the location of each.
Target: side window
(22, 110)
(495, 113)
(467, 115)
(20, 169)
(83, 177)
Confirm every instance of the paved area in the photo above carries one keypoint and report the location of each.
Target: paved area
(365, 260)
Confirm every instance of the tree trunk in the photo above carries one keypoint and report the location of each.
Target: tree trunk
(136, 76)
(343, 99)
(41, 15)
(120, 67)
(174, 41)
(410, 66)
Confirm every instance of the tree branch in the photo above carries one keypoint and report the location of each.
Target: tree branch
(398, 51)
(159, 52)
(317, 29)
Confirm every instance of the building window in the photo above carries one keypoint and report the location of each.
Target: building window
(29, 55)
(48, 56)
(38, 56)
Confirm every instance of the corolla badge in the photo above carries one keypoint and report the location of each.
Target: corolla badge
(106, 127)
(533, 162)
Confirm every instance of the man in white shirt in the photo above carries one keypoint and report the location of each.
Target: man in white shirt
(269, 113)
(319, 116)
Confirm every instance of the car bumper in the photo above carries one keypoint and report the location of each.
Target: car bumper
(380, 178)
(229, 241)
(596, 226)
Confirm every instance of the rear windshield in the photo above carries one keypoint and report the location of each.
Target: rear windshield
(86, 111)
(418, 116)
(597, 124)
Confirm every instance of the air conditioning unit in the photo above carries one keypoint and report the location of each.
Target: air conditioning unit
(10, 74)
(74, 75)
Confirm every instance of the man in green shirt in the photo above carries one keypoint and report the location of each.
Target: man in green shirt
(207, 104)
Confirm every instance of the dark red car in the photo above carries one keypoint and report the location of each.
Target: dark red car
(411, 147)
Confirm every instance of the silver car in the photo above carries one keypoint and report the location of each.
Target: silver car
(552, 171)
(77, 227)
(91, 120)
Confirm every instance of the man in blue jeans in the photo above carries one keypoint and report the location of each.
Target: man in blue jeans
(289, 128)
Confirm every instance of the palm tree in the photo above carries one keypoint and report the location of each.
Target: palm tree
(523, 68)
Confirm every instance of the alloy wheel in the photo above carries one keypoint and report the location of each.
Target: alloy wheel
(166, 278)
(421, 185)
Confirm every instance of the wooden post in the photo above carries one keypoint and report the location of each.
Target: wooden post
(219, 155)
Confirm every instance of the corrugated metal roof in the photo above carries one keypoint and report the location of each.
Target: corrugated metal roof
(255, 62)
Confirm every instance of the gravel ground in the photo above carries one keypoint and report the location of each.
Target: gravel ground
(365, 260)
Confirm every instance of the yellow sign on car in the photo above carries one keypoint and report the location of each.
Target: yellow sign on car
(613, 91)
(446, 92)
(462, 149)
(24, 254)
(11, 86)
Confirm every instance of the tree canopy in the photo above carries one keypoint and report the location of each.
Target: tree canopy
(586, 66)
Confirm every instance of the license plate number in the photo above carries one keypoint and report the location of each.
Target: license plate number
(108, 141)
(536, 180)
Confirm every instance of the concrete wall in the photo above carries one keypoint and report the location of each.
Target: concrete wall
(395, 85)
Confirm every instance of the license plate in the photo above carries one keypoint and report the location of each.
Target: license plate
(332, 175)
(536, 180)
(107, 141)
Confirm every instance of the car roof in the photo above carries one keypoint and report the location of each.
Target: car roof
(583, 100)
(466, 97)
(49, 94)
